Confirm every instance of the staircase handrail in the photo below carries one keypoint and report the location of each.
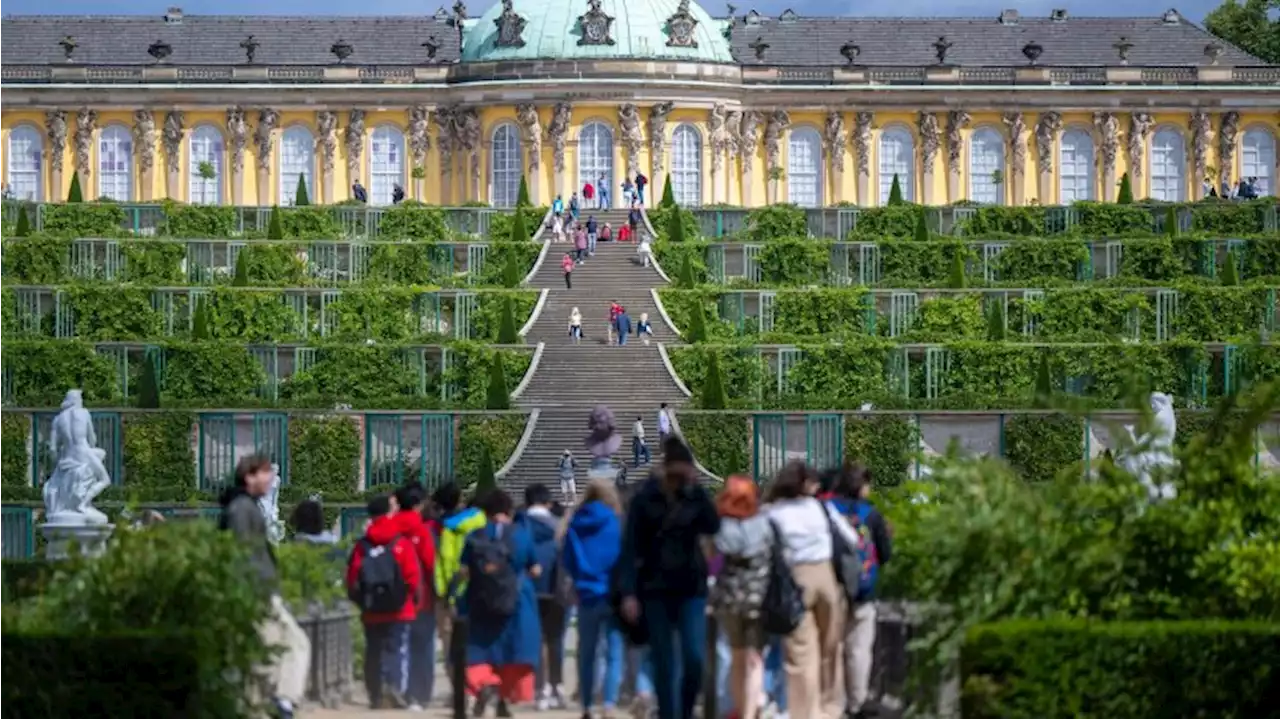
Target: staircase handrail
(536, 313)
(529, 373)
(546, 247)
(662, 310)
(525, 438)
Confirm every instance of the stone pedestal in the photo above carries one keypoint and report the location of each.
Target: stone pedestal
(62, 535)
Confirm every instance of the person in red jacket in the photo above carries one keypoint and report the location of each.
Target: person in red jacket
(422, 634)
(373, 583)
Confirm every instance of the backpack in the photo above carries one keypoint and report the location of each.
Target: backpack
(783, 607)
(857, 567)
(493, 588)
(380, 587)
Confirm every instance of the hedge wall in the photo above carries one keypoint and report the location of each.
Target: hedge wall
(1123, 670)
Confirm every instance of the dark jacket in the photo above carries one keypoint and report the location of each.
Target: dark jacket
(662, 556)
(243, 517)
(541, 526)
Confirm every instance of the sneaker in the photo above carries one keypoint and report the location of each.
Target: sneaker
(557, 698)
(504, 711)
(414, 707)
(283, 709)
(483, 697)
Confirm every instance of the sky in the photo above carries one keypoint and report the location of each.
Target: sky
(1192, 9)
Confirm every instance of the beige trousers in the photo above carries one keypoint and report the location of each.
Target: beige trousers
(813, 649)
(287, 671)
(859, 645)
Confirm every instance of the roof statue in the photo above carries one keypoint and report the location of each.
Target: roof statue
(680, 27)
(510, 26)
(595, 25)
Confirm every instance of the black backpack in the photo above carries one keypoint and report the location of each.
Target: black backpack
(493, 587)
(380, 587)
(783, 606)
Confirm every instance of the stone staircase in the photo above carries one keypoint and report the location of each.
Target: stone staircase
(572, 379)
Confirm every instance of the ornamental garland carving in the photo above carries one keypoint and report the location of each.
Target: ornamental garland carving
(531, 133)
(957, 120)
(144, 138)
(1016, 126)
(718, 133)
(1047, 128)
(658, 132)
(326, 129)
(86, 123)
(777, 124)
(419, 134)
(749, 136)
(862, 140)
(1139, 127)
(629, 125)
(267, 121)
(174, 121)
(930, 140)
(1108, 128)
(1227, 132)
(55, 127)
(558, 133)
(1200, 129)
(445, 139)
(353, 138)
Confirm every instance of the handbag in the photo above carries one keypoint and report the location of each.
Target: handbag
(783, 607)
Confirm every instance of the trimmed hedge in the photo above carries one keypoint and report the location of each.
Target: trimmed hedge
(1123, 670)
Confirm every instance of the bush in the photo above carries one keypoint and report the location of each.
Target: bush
(74, 195)
(687, 278)
(300, 198)
(275, 231)
(485, 480)
(200, 322)
(955, 278)
(922, 228)
(522, 195)
(996, 329)
(519, 230)
(497, 395)
(675, 225)
(1230, 276)
(241, 278)
(511, 270)
(713, 394)
(697, 330)
(1171, 221)
(23, 228)
(507, 333)
(895, 192)
(668, 194)
(1123, 670)
(1125, 195)
(149, 387)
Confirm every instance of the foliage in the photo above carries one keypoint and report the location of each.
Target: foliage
(1250, 25)
(1230, 277)
(1170, 221)
(996, 328)
(485, 480)
(675, 222)
(1125, 195)
(311, 576)
(519, 232)
(895, 192)
(500, 225)
(158, 263)
(74, 194)
(148, 387)
(782, 220)
(686, 278)
(15, 461)
(23, 227)
(922, 229)
(300, 197)
(713, 394)
(1063, 668)
(412, 220)
(159, 464)
(496, 434)
(84, 219)
(199, 221)
(497, 395)
(1040, 446)
(275, 229)
(511, 271)
(1044, 381)
(42, 372)
(664, 223)
(719, 441)
(324, 453)
(37, 259)
(697, 326)
(668, 194)
(241, 278)
(955, 278)
(522, 195)
(884, 444)
(507, 333)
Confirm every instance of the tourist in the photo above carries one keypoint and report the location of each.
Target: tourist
(644, 330)
(455, 523)
(575, 207)
(557, 206)
(384, 578)
(566, 265)
(557, 228)
(633, 220)
(592, 228)
(568, 467)
(664, 423)
(397, 194)
(628, 192)
(638, 447)
(575, 326)
(422, 634)
(580, 243)
(624, 327)
(588, 193)
(641, 183)
(358, 192)
(602, 186)
(663, 576)
(592, 544)
(504, 638)
(286, 671)
(645, 251)
(543, 527)
(308, 524)
(606, 233)
(745, 543)
(805, 527)
(615, 309)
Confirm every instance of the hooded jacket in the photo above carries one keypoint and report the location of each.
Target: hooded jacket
(454, 529)
(385, 531)
(424, 546)
(662, 554)
(541, 525)
(591, 549)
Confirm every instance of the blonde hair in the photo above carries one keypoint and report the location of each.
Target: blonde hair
(598, 490)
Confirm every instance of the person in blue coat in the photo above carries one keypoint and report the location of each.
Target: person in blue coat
(502, 651)
(592, 545)
(544, 529)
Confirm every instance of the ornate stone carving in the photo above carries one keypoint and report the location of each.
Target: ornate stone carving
(1108, 128)
(172, 138)
(749, 136)
(595, 25)
(733, 126)
(957, 120)
(144, 138)
(267, 121)
(558, 133)
(930, 140)
(86, 123)
(55, 127)
(237, 137)
(1200, 129)
(79, 474)
(531, 133)
(1139, 127)
(777, 124)
(510, 26)
(658, 132)
(833, 140)
(466, 127)
(353, 138)
(1227, 132)
(632, 137)
(681, 26)
(1047, 128)
(718, 133)
(1016, 126)
(326, 130)
(445, 138)
(862, 140)
(419, 134)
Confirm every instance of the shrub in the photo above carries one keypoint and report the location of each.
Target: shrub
(511, 271)
(74, 194)
(241, 278)
(697, 330)
(522, 195)
(1230, 276)
(922, 227)
(300, 198)
(519, 230)
(200, 322)
(1125, 195)
(668, 194)
(149, 386)
(688, 280)
(996, 329)
(507, 333)
(1044, 381)
(713, 394)
(275, 231)
(485, 479)
(895, 192)
(23, 228)
(497, 396)
(675, 226)
(955, 278)
(1171, 221)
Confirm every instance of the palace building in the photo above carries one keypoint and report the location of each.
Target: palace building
(741, 110)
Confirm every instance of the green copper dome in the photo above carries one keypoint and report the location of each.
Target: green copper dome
(515, 30)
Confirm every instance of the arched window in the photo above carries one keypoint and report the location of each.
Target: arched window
(25, 154)
(115, 163)
(504, 154)
(804, 167)
(686, 166)
(595, 156)
(986, 167)
(206, 166)
(386, 163)
(1257, 160)
(897, 153)
(297, 159)
(1075, 166)
(1168, 166)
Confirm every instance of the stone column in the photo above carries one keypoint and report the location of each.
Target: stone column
(862, 155)
(833, 145)
(326, 126)
(1108, 142)
(237, 139)
(263, 140)
(930, 143)
(1048, 130)
(957, 120)
(172, 138)
(55, 128)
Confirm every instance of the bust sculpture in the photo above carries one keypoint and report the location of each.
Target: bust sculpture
(79, 474)
(1152, 453)
(603, 440)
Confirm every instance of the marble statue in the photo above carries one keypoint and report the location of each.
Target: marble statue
(603, 440)
(1152, 453)
(269, 503)
(79, 474)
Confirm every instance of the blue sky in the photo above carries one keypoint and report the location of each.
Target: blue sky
(1192, 9)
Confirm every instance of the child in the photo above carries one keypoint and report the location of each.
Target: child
(566, 265)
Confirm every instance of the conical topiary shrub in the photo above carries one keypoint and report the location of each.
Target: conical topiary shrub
(519, 230)
(675, 225)
(1170, 221)
(668, 194)
(955, 278)
(241, 278)
(486, 478)
(922, 226)
(148, 385)
(1125, 196)
(697, 325)
(713, 395)
(1230, 276)
(522, 195)
(995, 323)
(510, 271)
(1044, 382)
(895, 192)
(497, 396)
(687, 279)
(507, 333)
(23, 228)
(74, 194)
(300, 197)
(200, 321)
(275, 228)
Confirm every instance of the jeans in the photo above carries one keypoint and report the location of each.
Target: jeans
(622, 337)
(775, 674)
(582, 254)
(591, 242)
(386, 659)
(596, 623)
(668, 619)
(422, 658)
(551, 617)
(604, 199)
(575, 332)
(568, 280)
(639, 449)
(724, 661)
(640, 194)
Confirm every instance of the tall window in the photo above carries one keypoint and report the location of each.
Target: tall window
(25, 155)
(1075, 167)
(986, 167)
(1257, 159)
(115, 163)
(595, 156)
(505, 157)
(804, 167)
(686, 166)
(386, 163)
(1168, 166)
(897, 157)
(297, 159)
(206, 165)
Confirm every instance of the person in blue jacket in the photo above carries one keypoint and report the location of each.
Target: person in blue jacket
(592, 545)
(543, 527)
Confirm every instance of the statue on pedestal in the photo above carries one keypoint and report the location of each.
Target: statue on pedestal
(79, 474)
(1152, 454)
(603, 440)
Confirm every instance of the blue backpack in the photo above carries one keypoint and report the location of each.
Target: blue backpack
(857, 567)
